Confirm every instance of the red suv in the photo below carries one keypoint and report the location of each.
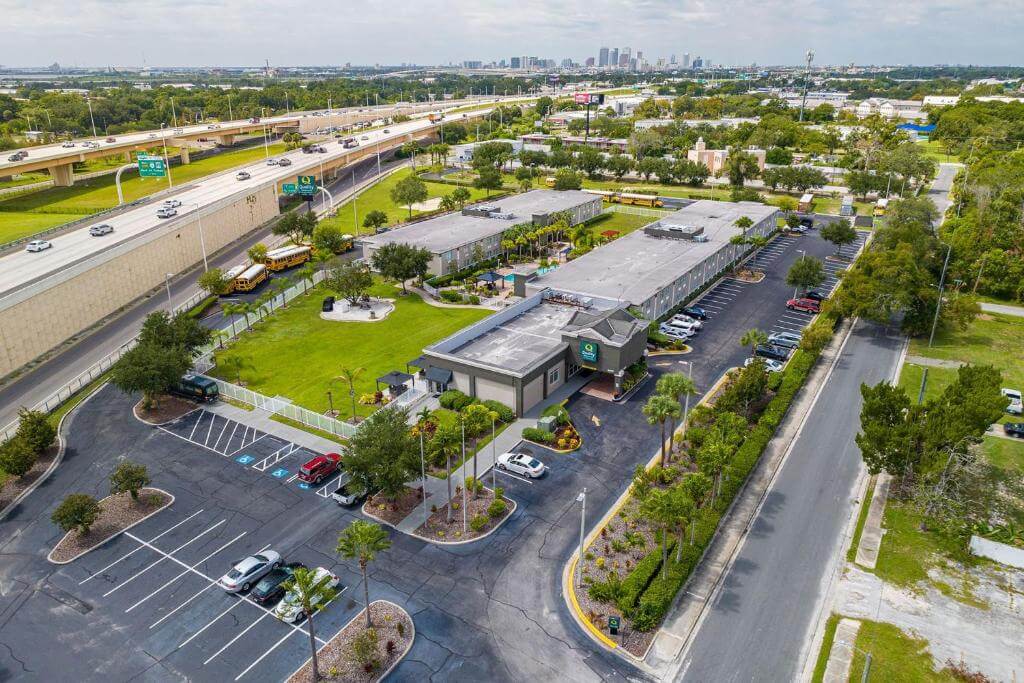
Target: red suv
(319, 468)
(805, 305)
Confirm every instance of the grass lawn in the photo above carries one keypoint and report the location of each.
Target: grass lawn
(24, 179)
(862, 517)
(992, 339)
(296, 354)
(625, 223)
(30, 213)
(938, 380)
(935, 150)
(1005, 454)
(826, 648)
(378, 197)
(895, 656)
(831, 205)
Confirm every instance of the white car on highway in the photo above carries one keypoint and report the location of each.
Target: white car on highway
(101, 229)
(172, 203)
(242, 175)
(37, 245)
(245, 573)
(272, 161)
(290, 609)
(166, 212)
(521, 463)
(67, 145)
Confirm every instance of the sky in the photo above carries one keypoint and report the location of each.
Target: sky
(290, 33)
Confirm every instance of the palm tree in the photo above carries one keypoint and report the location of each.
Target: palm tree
(676, 386)
(313, 595)
(711, 459)
(248, 309)
(305, 274)
(758, 242)
(448, 203)
(362, 541)
(752, 338)
(659, 509)
(658, 410)
(233, 365)
(683, 510)
(281, 285)
(697, 486)
(350, 375)
(447, 441)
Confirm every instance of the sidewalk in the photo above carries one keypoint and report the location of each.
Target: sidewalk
(1005, 309)
(261, 419)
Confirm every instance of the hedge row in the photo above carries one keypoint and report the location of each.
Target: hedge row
(475, 269)
(453, 399)
(640, 578)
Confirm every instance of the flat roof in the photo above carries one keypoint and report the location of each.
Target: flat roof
(453, 230)
(521, 342)
(636, 267)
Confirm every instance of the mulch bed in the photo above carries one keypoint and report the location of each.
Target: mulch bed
(167, 408)
(335, 659)
(117, 513)
(394, 510)
(15, 486)
(437, 528)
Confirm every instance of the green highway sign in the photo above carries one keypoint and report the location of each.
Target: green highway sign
(289, 188)
(307, 184)
(588, 351)
(151, 167)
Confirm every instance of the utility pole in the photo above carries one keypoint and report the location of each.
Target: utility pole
(938, 302)
(91, 119)
(807, 81)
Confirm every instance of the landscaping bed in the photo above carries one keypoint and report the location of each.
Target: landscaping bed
(481, 517)
(564, 438)
(15, 486)
(117, 513)
(395, 633)
(394, 510)
(165, 409)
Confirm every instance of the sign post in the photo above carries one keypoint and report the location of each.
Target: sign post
(289, 188)
(151, 167)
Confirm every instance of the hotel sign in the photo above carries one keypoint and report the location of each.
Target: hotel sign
(588, 351)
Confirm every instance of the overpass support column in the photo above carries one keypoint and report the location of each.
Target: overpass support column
(63, 175)
(185, 159)
(128, 158)
(225, 140)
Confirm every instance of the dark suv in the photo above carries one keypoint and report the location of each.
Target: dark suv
(772, 351)
(270, 589)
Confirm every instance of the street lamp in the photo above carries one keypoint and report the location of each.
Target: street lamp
(167, 285)
(582, 500)
(88, 101)
(167, 162)
(938, 302)
(462, 424)
(202, 238)
(423, 476)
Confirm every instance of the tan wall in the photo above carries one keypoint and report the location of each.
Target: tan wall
(41, 321)
(490, 390)
(533, 393)
(460, 381)
(560, 366)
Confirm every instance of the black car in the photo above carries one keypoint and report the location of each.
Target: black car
(696, 312)
(270, 589)
(816, 295)
(1014, 429)
(807, 222)
(771, 351)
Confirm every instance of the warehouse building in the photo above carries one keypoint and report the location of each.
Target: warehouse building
(660, 266)
(458, 240)
(521, 354)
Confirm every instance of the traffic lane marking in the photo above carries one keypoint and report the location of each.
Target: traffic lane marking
(127, 555)
(162, 558)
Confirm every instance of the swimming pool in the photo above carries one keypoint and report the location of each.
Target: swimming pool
(540, 271)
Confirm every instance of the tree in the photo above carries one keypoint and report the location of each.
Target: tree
(311, 595)
(488, 178)
(461, 195)
(758, 242)
(181, 330)
(298, 227)
(659, 508)
(839, 233)
(35, 429)
(676, 386)
(213, 282)
(567, 180)
(350, 281)
(349, 376)
(752, 338)
(383, 454)
(151, 369)
(589, 161)
(658, 410)
(408, 191)
(76, 511)
(257, 253)
(446, 442)
(644, 143)
(362, 541)
(329, 239)
(543, 105)
(806, 273)
(233, 364)
(129, 477)
(401, 262)
(647, 167)
(619, 165)
(739, 166)
(683, 508)
(375, 219)
(712, 457)
(17, 457)
(697, 485)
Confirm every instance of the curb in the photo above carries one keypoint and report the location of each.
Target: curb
(158, 424)
(515, 506)
(112, 536)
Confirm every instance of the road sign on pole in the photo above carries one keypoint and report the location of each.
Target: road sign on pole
(151, 167)
(307, 184)
(289, 188)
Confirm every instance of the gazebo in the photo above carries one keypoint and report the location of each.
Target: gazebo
(395, 382)
(490, 277)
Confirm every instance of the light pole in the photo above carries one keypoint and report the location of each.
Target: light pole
(231, 117)
(494, 462)
(167, 286)
(462, 424)
(355, 216)
(582, 500)
(174, 114)
(202, 238)
(378, 156)
(88, 101)
(423, 476)
(330, 402)
(938, 302)
(686, 404)
(167, 161)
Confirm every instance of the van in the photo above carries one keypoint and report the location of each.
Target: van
(196, 387)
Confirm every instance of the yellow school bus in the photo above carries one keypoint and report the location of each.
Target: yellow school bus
(251, 278)
(286, 257)
(229, 278)
(639, 199)
(880, 206)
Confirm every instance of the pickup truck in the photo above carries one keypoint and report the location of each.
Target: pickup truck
(348, 494)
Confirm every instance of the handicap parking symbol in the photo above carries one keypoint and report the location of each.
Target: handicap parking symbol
(303, 485)
(245, 459)
(279, 473)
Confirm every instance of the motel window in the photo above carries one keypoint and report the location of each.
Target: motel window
(552, 375)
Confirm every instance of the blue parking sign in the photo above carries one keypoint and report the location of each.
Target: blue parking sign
(245, 459)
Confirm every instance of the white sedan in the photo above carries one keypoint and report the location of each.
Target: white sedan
(687, 320)
(290, 609)
(769, 364)
(245, 573)
(37, 245)
(521, 463)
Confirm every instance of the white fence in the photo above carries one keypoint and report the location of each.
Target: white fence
(638, 210)
(284, 409)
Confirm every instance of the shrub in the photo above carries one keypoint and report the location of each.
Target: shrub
(453, 399)
(478, 523)
(35, 429)
(17, 457)
(559, 412)
(400, 627)
(128, 477)
(474, 300)
(505, 414)
(638, 579)
(608, 590)
(538, 435)
(499, 493)
(76, 511)
(452, 296)
(496, 509)
(363, 650)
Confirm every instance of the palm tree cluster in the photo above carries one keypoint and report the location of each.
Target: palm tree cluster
(527, 235)
(666, 406)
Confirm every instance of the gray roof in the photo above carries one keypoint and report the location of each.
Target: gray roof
(616, 326)
(450, 231)
(637, 266)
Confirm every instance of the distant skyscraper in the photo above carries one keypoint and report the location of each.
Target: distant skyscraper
(602, 59)
(590, 61)
(672, 60)
(686, 60)
(515, 63)
(613, 57)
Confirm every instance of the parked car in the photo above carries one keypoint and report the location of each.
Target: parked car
(172, 203)
(284, 162)
(769, 364)
(798, 229)
(270, 589)
(674, 332)
(1014, 429)
(521, 463)
(771, 351)
(245, 573)
(790, 340)
(101, 230)
(1015, 407)
(696, 312)
(37, 245)
(805, 305)
(348, 494)
(242, 175)
(290, 610)
(166, 212)
(319, 468)
(816, 295)
(688, 326)
(687, 320)
(807, 222)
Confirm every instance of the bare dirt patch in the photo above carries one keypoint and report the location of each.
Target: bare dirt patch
(15, 486)
(394, 510)
(395, 633)
(167, 408)
(437, 527)
(117, 513)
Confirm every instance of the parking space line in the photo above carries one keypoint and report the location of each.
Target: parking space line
(126, 556)
(232, 641)
(515, 476)
(246, 445)
(291, 479)
(325, 491)
(275, 457)
(210, 623)
(206, 441)
(162, 558)
(168, 583)
(166, 616)
(264, 655)
(232, 437)
(196, 425)
(221, 435)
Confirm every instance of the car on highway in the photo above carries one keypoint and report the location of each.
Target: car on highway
(284, 162)
(1015, 406)
(245, 573)
(243, 175)
(272, 161)
(804, 305)
(37, 245)
(172, 203)
(687, 320)
(101, 229)
(790, 340)
(152, 136)
(179, 130)
(365, 137)
(166, 212)
(696, 312)
(769, 364)
(18, 156)
(319, 468)
(1014, 429)
(270, 589)
(772, 352)
(674, 332)
(521, 463)
(212, 126)
(386, 130)
(290, 608)
(67, 145)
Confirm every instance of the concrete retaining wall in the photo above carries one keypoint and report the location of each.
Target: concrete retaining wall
(1000, 552)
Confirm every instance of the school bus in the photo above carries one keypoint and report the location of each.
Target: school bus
(606, 195)
(229, 278)
(550, 181)
(639, 199)
(880, 206)
(286, 257)
(251, 278)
